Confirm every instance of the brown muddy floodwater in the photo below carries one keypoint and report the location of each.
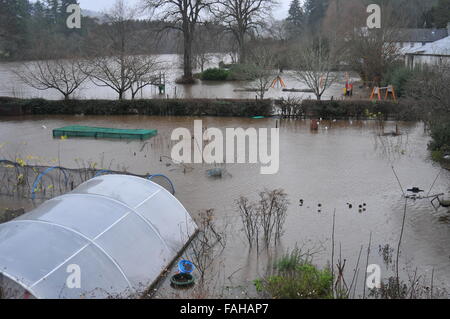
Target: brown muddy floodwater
(348, 163)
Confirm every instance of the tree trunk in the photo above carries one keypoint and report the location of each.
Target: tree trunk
(187, 63)
(242, 49)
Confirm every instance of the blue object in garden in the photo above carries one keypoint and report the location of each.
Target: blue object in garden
(186, 267)
(41, 175)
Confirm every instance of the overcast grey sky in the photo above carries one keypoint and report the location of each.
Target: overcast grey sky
(100, 5)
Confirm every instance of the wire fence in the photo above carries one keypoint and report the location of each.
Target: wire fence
(44, 182)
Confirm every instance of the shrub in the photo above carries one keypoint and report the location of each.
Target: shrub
(440, 133)
(215, 75)
(242, 72)
(336, 109)
(297, 278)
(175, 107)
(399, 78)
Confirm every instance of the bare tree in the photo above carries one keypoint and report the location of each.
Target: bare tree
(208, 245)
(250, 220)
(371, 52)
(113, 72)
(242, 17)
(267, 216)
(201, 54)
(261, 67)
(272, 209)
(111, 66)
(207, 41)
(65, 76)
(314, 64)
(144, 72)
(184, 16)
(342, 18)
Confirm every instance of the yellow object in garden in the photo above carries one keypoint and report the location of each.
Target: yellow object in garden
(21, 162)
(20, 178)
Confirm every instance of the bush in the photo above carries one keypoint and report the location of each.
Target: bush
(297, 279)
(440, 133)
(399, 78)
(215, 75)
(242, 72)
(358, 109)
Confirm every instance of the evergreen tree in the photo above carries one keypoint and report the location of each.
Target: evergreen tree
(14, 18)
(314, 11)
(52, 10)
(441, 13)
(296, 19)
(296, 16)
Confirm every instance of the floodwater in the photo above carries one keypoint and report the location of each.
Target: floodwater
(347, 163)
(11, 85)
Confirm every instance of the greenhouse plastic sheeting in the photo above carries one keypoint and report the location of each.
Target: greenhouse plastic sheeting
(117, 232)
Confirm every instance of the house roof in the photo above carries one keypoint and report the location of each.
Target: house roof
(440, 47)
(420, 35)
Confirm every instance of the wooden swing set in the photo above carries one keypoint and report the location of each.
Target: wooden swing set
(377, 92)
(278, 82)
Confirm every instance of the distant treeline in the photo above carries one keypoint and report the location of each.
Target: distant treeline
(37, 30)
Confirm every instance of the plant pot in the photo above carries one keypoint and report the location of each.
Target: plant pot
(182, 280)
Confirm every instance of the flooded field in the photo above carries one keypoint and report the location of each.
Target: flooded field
(346, 163)
(10, 85)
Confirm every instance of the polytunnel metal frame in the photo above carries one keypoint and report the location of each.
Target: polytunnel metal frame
(127, 210)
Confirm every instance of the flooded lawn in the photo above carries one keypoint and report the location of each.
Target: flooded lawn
(346, 163)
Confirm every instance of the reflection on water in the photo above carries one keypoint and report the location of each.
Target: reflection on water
(10, 85)
(348, 163)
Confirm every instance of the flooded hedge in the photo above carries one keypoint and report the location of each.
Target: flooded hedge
(337, 109)
(359, 109)
(175, 107)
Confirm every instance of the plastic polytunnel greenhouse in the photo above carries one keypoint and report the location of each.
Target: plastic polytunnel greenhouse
(111, 237)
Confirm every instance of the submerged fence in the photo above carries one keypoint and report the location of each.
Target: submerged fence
(44, 182)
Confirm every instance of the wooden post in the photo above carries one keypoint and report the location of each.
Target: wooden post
(376, 91)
